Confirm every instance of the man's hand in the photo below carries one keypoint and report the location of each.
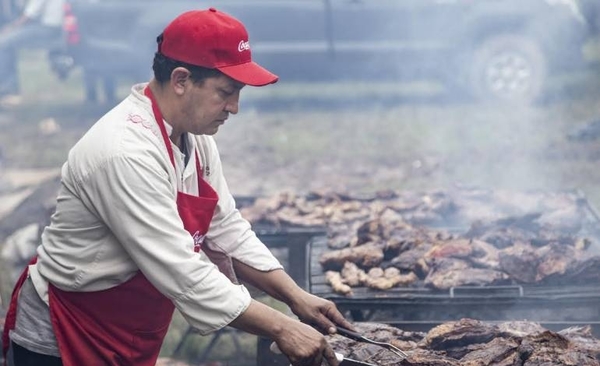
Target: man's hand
(304, 346)
(318, 312)
(310, 309)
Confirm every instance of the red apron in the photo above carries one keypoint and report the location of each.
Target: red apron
(126, 324)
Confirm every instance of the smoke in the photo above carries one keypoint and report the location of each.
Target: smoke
(394, 94)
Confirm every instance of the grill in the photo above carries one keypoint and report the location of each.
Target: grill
(291, 239)
(294, 242)
(419, 308)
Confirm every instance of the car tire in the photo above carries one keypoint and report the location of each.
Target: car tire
(508, 69)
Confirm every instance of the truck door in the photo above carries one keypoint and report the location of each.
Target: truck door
(394, 37)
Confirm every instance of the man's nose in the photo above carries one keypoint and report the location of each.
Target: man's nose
(233, 104)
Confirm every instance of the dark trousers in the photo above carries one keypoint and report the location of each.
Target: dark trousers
(24, 357)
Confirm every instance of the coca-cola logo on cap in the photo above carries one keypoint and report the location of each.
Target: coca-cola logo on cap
(244, 46)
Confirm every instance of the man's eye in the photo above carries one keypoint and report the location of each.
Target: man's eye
(227, 92)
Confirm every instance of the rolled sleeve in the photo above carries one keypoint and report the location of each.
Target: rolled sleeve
(228, 305)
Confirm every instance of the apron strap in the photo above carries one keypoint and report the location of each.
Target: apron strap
(11, 316)
(163, 131)
(159, 119)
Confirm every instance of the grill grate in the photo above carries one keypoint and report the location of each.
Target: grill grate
(420, 308)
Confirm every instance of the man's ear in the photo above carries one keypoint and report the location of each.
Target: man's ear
(179, 78)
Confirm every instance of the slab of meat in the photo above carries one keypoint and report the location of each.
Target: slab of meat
(459, 334)
(457, 248)
(549, 348)
(413, 259)
(498, 352)
(582, 338)
(485, 255)
(554, 261)
(584, 271)
(520, 262)
(367, 256)
(449, 272)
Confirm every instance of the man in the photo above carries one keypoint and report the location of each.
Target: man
(142, 203)
(39, 26)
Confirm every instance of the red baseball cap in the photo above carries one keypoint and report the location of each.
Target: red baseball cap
(215, 40)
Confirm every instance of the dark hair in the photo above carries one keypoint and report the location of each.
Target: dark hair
(163, 66)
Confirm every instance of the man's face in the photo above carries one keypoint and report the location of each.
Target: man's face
(206, 105)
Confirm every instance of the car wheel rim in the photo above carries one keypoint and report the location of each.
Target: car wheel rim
(509, 75)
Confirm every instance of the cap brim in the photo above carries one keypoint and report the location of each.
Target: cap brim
(250, 73)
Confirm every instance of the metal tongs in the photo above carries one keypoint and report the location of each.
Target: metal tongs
(360, 338)
(344, 361)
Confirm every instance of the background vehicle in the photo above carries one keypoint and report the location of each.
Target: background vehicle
(496, 50)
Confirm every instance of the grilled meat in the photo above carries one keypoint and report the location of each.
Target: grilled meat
(469, 342)
(584, 271)
(352, 275)
(485, 255)
(457, 248)
(549, 348)
(554, 260)
(459, 334)
(337, 283)
(367, 256)
(582, 338)
(520, 262)
(421, 357)
(450, 272)
(376, 278)
(409, 259)
(517, 238)
(380, 279)
(497, 352)
(519, 329)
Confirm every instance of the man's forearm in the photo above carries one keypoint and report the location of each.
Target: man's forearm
(276, 283)
(261, 320)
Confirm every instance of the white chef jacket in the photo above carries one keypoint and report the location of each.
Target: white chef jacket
(116, 214)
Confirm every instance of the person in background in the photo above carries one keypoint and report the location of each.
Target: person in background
(145, 224)
(39, 26)
(8, 11)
